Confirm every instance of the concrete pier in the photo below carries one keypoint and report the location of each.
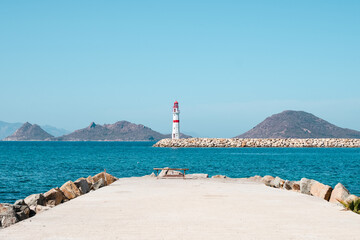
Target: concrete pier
(151, 208)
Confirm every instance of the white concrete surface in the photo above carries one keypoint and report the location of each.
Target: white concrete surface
(147, 208)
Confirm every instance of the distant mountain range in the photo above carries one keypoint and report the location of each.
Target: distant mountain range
(297, 124)
(119, 131)
(288, 124)
(6, 129)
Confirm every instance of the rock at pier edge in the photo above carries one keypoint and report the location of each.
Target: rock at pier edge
(37, 203)
(260, 142)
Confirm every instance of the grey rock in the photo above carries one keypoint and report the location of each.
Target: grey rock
(268, 180)
(99, 184)
(7, 215)
(22, 212)
(277, 183)
(19, 202)
(288, 185)
(305, 186)
(83, 185)
(35, 199)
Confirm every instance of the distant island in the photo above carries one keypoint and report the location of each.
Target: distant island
(297, 124)
(119, 131)
(29, 132)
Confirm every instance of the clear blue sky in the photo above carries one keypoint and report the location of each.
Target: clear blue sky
(230, 64)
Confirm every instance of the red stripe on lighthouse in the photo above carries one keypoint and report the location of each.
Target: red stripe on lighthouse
(175, 120)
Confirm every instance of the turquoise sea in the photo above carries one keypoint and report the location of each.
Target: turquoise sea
(34, 167)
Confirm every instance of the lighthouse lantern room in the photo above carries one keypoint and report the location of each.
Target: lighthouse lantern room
(176, 127)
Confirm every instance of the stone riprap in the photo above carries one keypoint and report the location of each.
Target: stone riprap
(36, 203)
(260, 142)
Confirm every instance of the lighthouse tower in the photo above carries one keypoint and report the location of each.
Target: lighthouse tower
(176, 128)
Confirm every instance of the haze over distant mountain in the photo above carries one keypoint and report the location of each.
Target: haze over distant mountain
(56, 132)
(119, 131)
(298, 124)
(6, 129)
(29, 132)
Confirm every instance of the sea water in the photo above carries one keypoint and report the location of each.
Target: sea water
(35, 167)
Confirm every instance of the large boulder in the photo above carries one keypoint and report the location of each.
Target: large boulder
(296, 186)
(278, 182)
(22, 212)
(7, 215)
(268, 180)
(82, 185)
(99, 184)
(54, 197)
(35, 199)
(305, 185)
(288, 185)
(70, 190)
(108, 179)
(320, 190)
(339, 193)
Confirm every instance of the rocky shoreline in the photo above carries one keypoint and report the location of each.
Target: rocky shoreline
(259, 142)
(37, 203)
(309, 187)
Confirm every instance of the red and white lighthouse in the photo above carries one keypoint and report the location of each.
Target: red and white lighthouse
(176, 127)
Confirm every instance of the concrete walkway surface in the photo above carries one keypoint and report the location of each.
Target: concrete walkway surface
(150, 208)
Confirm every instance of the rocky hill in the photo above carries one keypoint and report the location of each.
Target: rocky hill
(297, 124)
(119, 131)
(29, 132)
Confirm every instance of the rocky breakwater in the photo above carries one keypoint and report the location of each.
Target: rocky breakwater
(339, 194)
(37, 203)
(260, 142)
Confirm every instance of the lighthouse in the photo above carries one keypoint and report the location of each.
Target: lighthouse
(176, 129)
